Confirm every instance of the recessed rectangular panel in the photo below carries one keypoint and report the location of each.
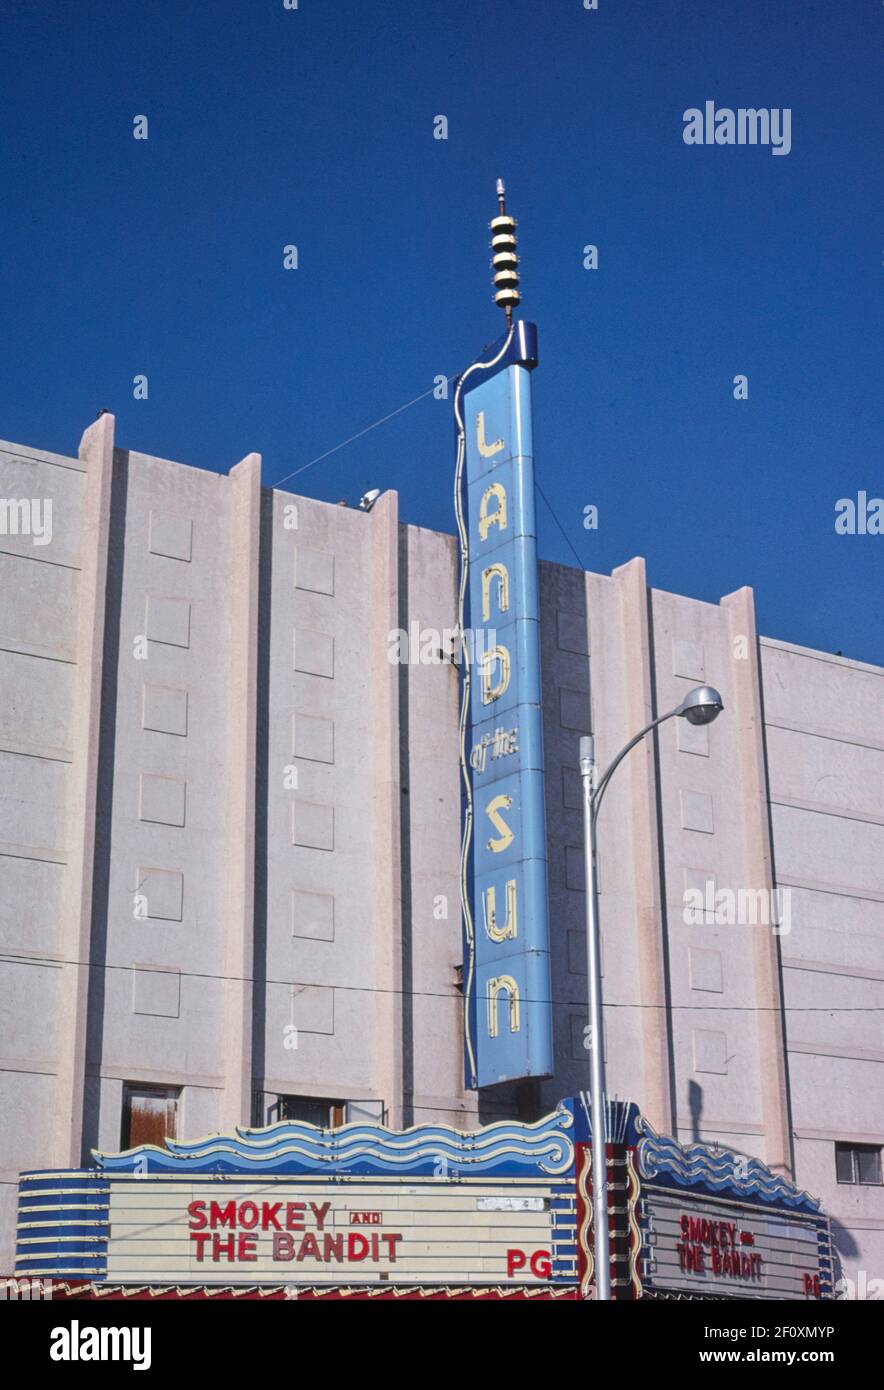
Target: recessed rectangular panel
(164, 710)
(313, 738)
(167, 620)
(159, 895)
(163, 799)
(572, 634)
(314, 653)
(313, 915)
(706, 969)
(313, 825)
(692, 738)
(170, 535)
(156, 991)
(313, 1008)
(574, 710)
(687, 661)
(314, 570)
(710, 1051)
(696, 812)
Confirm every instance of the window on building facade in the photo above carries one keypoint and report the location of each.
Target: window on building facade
(150, 1114)
(328, 1114)
(858, 1164)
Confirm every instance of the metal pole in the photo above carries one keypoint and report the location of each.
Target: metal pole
(597, 1037)
(592, 800)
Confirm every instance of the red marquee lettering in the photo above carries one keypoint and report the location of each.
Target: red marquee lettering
(249, 1215)
(283, 1246)
(515, 1259)
(320, 1213)
(268, 1215)
(292, 1221)
(541, 1264)
(222, 1216)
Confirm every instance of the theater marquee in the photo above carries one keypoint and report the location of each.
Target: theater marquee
(714, 1224)
(496, 1210)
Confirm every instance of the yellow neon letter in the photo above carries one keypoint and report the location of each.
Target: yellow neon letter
(509, 930)
(499, 572)
(501, 982)
(498, 516)
(505, 836)
(486, 450)
(490, 691)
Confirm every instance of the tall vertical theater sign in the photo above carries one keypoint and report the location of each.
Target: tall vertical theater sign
(507, 996)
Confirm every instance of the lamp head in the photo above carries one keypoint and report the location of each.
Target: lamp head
(701, 705)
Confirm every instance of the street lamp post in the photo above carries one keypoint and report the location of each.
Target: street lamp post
(699, 706)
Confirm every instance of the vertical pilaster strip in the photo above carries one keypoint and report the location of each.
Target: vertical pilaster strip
(758, 857)
(243, 576)
(97, 452)
(385, 910)
(646, 878)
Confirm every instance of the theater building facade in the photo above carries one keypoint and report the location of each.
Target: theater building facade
(231, 864)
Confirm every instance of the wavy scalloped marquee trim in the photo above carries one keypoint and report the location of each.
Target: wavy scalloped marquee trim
(544, 1149)
(693, 1165)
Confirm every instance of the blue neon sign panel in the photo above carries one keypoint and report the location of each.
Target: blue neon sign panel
(508, 1011)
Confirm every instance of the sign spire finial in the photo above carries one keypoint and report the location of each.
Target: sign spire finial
(504, 260)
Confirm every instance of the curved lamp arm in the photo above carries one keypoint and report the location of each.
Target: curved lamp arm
(606, 777)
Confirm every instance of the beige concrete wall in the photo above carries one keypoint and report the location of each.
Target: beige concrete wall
(333, 894)
(171, 798)
(432, 947)
(825, 743)
(241, 821)
(715, 1047)
(45, 768)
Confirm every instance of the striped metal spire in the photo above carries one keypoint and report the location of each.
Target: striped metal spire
(504, 260)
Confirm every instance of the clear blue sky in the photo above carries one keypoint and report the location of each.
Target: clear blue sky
(315, 127)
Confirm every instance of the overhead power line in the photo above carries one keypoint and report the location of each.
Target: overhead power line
(344, 442)
(54, 961)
